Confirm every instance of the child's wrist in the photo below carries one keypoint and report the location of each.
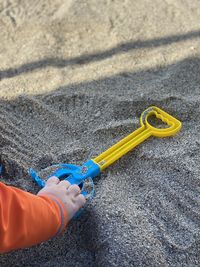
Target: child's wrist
(62, 211)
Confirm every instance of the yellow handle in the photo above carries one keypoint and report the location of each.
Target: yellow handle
(132, 140)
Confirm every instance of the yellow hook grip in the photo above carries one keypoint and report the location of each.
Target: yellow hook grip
(173, 123)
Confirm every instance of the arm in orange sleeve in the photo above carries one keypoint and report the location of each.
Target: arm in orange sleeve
(27, 219)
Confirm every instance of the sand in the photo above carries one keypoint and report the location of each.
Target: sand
(74, 79)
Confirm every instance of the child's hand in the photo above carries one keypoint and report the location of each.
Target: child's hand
(67, 193)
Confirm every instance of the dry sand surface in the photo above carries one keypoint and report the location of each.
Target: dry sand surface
(74, 78)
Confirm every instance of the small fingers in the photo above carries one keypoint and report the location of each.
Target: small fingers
(65, 184)
(52, 181)
(80, 201)
(74, 190)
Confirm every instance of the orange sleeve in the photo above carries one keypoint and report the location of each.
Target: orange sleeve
(27, 219)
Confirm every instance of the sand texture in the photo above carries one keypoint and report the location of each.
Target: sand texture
(74, 79)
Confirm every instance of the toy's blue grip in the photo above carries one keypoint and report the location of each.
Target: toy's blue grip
(72, 173)
(76, 174)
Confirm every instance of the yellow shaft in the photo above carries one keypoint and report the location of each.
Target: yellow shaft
(116, 151)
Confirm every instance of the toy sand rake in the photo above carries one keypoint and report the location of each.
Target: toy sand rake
(83, 175)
